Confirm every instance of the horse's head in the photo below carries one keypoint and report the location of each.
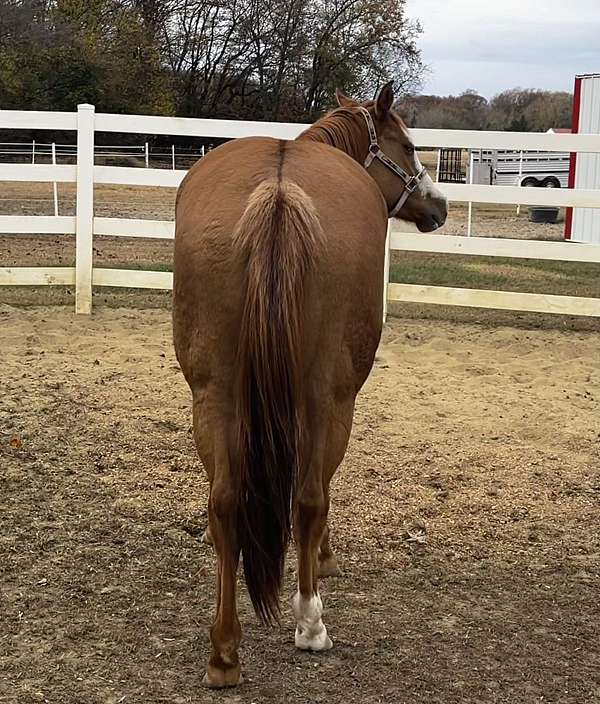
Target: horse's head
(393, 163)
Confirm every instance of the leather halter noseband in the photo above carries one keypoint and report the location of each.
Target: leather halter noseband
(410, 182)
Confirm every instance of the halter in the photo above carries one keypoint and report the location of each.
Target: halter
(410, 182)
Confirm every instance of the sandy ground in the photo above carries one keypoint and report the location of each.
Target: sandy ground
(484, 439)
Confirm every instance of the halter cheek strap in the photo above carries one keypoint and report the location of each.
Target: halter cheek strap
(375, 152)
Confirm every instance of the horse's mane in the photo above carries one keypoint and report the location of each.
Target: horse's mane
(342, 128)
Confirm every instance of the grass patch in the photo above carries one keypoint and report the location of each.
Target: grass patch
(497, 273)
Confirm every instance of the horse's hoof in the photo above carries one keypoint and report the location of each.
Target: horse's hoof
(329, 568)
(314, 642)
(219, 679)
(207, 537)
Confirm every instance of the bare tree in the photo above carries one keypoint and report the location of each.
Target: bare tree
(265, 59)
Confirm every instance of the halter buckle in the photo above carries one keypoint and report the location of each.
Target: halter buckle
(412, 184)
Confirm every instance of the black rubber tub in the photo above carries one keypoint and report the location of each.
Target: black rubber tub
(548, 215)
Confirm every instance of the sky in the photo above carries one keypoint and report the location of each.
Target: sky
(492, 45)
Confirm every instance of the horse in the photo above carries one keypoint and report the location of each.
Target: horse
(277, 315)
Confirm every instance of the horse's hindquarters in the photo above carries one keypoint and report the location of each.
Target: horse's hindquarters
(277, 315)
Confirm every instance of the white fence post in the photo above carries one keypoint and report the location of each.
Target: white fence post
(386, 269)
(520, 177)
(55, 185)
(85, 209)
(173, 155)
(470, 211)
(147, 155)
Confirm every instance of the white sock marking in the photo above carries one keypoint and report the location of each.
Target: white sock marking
(311, 633)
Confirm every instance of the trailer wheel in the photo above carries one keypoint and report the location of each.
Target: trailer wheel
(530, 181)
(551, 182)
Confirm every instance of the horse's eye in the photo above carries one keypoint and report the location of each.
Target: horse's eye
(410, 149)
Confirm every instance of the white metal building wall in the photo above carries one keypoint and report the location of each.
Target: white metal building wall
(586, 221)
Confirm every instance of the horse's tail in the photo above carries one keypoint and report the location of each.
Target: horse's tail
(279, 233)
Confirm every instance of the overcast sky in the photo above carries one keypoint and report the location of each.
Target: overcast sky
(492, 45)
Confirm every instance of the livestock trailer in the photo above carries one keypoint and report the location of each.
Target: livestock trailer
(521, 168)
(505, 167)
(583, 224)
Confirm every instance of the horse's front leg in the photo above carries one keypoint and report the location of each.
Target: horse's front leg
(328, 564)
(207, 536)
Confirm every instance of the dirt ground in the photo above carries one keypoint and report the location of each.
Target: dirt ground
(481, 440)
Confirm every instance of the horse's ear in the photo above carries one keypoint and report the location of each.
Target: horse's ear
(384, 99)
(343, 100)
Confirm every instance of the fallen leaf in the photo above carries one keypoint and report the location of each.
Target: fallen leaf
(417, 535)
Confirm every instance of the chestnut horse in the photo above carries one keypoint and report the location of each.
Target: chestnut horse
(277, 314)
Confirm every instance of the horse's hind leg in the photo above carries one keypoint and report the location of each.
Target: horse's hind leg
(223, 668)
(223, 665)
(315, 558)
(310, 520)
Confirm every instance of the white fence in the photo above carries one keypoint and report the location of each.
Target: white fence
(85, 225)
(32, 151)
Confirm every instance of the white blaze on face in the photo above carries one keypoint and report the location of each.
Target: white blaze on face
(427, 188)
(311, 633)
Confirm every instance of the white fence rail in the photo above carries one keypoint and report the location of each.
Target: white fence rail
(85, 225)
(35, 150)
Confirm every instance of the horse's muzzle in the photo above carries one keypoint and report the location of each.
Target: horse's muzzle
(435, 217)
